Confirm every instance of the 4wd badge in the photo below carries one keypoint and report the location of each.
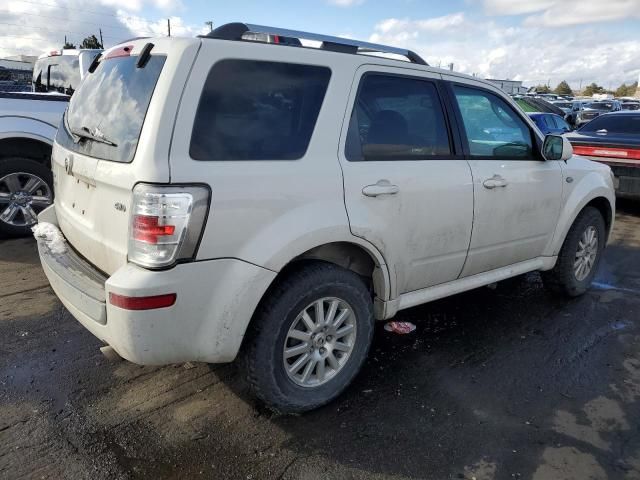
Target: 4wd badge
(120, 207)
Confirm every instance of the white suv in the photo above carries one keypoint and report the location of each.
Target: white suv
(232, 196)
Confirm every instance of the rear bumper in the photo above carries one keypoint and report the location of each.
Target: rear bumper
(215, 301)
(627, 181)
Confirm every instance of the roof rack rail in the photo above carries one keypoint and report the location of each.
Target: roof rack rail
(235, 31)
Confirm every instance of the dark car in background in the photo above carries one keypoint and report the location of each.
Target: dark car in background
(577, 106)
(595, 109)
(630, 105)
(550, 123)
(614, 139)
(563, 105)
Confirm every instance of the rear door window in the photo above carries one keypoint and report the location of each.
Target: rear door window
(105, 116)
(258, 110)
(397, 118)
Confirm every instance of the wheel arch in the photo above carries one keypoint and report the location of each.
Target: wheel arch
(599, 196)
(353, 254)
(29, 146)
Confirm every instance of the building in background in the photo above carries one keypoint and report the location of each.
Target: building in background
(15, 73)
(508, 86)
(19, 62)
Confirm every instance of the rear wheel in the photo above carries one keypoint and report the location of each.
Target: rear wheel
(309, 338)
(580, 255)
(26, 188)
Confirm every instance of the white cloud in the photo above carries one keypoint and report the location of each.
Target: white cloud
(560, 13)
(529, 53)
(346, 3)
(31, 29)
(143, 27)
(515, 7)
(401, 31)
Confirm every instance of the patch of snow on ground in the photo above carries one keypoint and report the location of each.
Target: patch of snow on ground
(51, 235)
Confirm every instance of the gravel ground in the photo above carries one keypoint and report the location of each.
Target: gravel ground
(497, 383)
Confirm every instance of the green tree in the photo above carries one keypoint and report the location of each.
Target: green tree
(68, 46)
(542, 89)
(625, 90)
(563, 88)
(91, 42)
(591, 89)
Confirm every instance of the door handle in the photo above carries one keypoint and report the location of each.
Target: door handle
(382, 187)
(495, 182)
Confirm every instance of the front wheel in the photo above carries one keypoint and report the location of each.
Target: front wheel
(309, 338)
(580, 255)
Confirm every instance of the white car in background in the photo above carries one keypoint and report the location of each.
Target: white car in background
(28, 124)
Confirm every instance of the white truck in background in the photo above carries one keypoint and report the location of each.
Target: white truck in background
(28, 125)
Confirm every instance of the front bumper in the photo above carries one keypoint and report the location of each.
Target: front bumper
(215, 302)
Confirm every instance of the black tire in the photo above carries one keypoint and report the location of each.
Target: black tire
(562, 279)
(28, 166)
(263, 358)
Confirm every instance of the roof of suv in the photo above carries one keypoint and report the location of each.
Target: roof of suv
(236, 31)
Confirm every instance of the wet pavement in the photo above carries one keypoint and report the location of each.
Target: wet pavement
(501, 383)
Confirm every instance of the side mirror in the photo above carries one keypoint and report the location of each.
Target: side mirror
(557, 148)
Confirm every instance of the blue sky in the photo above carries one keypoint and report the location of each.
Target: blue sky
(537, 41)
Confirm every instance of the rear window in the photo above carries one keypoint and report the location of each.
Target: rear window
(60, 73)
(614, 123)
(255, 110)
(105, 116)
(600, 106)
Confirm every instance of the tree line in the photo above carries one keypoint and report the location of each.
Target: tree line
(563, 88)
(90, 42)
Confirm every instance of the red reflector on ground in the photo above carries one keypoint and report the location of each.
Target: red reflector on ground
(608, 152)
(119, 52)
(142, 303)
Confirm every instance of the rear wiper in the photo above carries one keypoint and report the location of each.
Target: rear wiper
(95, 136)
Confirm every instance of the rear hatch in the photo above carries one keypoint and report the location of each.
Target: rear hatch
(116, 133)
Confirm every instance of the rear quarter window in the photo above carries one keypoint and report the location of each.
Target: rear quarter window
(257, 110)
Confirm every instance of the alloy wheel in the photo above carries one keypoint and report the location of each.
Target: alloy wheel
(22, 197)
(586, 253)
(319, 342)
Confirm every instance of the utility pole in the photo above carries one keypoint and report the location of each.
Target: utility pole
(101, 42)
(210, 25)
(168, 27)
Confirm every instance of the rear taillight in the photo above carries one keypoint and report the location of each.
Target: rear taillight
(166, 223)
(609, 152)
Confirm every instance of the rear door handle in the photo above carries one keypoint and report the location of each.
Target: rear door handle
(496, 181)
(383, 187)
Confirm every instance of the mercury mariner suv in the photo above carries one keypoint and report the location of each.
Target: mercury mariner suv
(242, 194)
